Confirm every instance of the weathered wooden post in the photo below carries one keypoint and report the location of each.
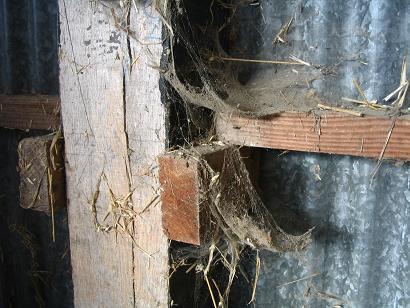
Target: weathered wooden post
(114, 127)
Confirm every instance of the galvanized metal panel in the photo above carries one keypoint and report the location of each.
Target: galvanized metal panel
(360, 251)
(365, 40)
(360, 248)
(34, 271)
(28, 47)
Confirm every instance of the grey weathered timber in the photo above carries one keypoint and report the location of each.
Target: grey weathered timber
(41, 173)
(145, 124)
(113, 125)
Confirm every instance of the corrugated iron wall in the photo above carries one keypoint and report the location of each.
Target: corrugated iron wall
(360, 253)
(28, 46)
(365, 40)
(34, 271)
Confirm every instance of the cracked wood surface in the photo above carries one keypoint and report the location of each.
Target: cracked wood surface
(330, 133)
(113, 124)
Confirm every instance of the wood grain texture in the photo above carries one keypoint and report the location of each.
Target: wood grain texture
(29, 112)
(185, 214)
(146, 130)
(180, 198)
(186, 211)
(113, 124)
(328, 133)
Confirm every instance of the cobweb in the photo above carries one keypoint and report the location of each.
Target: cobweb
(240, 212)
(241, 218)
(201, 71)
(241, 222)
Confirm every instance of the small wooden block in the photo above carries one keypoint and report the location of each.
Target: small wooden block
(41, 173)
(185, 216)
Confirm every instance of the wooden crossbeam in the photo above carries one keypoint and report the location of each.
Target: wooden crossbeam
(29, 112)
(328, 133)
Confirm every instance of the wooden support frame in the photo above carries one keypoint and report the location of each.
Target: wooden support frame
(328, 132)
(30, 112)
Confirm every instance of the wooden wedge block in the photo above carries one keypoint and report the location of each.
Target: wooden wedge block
(41, 173)
(185, 215)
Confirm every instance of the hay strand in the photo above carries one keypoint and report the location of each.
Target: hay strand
(257, 272)
(342, 110)
(282, 62)
(298, 280)
(361, 92)
(282, 36)
(210, 291)
(372, 104)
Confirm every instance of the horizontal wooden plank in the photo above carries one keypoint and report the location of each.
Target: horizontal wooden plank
(29, 112)
(328, 132)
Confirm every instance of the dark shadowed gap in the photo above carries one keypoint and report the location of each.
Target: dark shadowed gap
(34, 271)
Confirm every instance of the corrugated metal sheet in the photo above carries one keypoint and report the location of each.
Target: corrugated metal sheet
(360, 249)
(28, 46)
(365, 40)
(361, 241)
(34, 271)
(360, 253)
(347, 34)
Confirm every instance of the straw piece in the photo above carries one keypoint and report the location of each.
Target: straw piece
(257, 272)
(281, 37)
(210, 291)
(403, 75)
(386, 143)
(297, 280)
(337, 109)
(361, 92)
(392, 94)
(404, 83)
(372, 104)
(260, 61)
(402, 95)
(299, 60)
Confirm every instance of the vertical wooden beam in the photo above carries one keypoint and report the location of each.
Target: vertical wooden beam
(114, 125)
(145, 122)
